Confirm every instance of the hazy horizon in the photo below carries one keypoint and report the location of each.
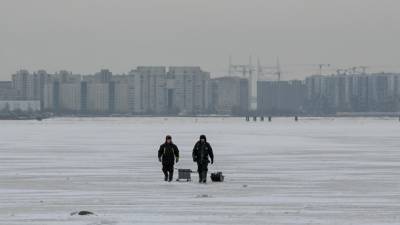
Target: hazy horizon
(84, 36)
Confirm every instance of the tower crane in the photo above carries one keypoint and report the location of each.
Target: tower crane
(264, 71)
(321, 66)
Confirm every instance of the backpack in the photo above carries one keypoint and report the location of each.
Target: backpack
(217, 177)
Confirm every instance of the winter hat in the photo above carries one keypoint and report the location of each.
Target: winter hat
(168, 137)
(203, 137)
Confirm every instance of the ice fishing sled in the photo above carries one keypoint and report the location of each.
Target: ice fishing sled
(184, 174)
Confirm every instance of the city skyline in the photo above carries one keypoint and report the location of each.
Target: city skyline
(184, 91)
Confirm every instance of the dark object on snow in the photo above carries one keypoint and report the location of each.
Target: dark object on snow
(202, 153)
(184, 174)
(82, 213)
(217, 177)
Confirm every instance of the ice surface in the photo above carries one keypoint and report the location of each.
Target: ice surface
(315, 171)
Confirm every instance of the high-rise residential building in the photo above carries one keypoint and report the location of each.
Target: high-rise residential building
(360, 97)
(152, 82)
(353, 93)
(31, 86)
(120, 94)
(51, 99)
(98, 97)
(189, 89)
(281, 97)
(6, 85)
(22, 84)
(229, 95)
(70, 97)
(64, 76)
(139, 92)
(244, 96)
(40, 78)
(7, 92)
(103, 76)
(62, 92)
(121, 103)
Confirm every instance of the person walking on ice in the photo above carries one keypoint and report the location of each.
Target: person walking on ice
(168, 155)
(202, 153)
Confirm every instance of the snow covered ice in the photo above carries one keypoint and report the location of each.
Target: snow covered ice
(315, 171)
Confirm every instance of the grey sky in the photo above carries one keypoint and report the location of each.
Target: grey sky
(86, 35)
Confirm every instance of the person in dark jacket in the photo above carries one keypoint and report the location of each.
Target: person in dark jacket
(168, 154)
(202, 154)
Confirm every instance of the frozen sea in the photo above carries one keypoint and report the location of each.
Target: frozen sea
(335, 171)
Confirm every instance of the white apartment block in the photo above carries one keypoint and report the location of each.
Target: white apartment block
(48, 98)
(98, 97)
(190, 89)
(70, 97)
(121, 97)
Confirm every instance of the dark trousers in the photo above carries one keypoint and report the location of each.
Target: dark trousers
(168, 170)
(202, 168)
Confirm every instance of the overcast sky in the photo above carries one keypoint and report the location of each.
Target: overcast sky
(84, 36)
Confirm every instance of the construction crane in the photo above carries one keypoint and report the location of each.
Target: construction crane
(264, 71)
(247, 71)
(243, 69)
(253, 73)
(353, 70)
(321, 66)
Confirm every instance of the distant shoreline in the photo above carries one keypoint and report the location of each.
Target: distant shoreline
(251, 116)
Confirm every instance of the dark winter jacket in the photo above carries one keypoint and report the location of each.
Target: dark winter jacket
(202, 152)
(168, 152)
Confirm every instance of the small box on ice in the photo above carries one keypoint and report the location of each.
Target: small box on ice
(184, 174)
